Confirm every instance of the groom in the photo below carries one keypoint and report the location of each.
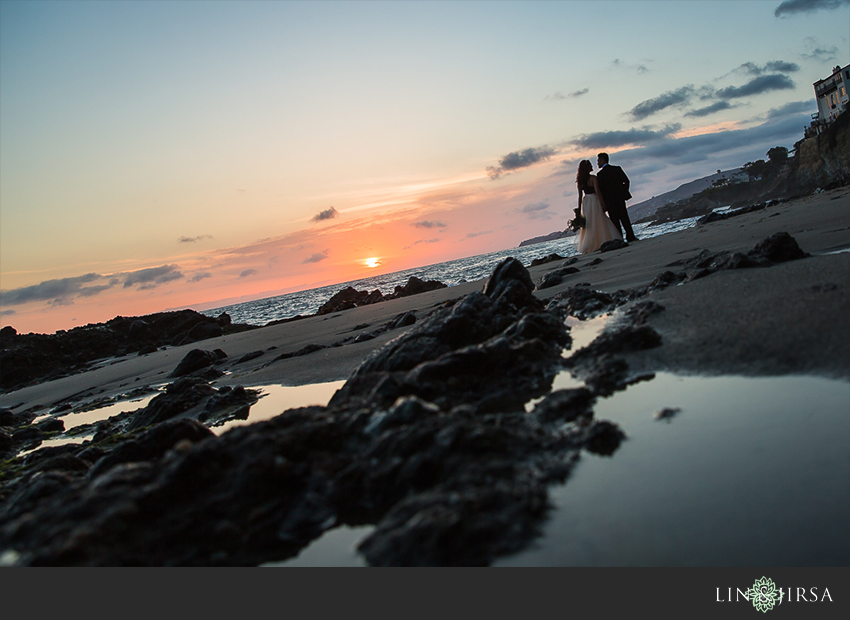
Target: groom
(614, 185)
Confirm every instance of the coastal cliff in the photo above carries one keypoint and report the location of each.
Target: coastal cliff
(821, 162)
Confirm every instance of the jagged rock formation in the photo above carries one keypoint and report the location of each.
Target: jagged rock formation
(350, 297)
(28, 358)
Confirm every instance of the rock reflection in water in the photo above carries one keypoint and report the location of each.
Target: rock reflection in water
(275, 399)
(750, 472)
(336, 547)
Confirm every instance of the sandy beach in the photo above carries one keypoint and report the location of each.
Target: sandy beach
(790, 318)
(777, 320)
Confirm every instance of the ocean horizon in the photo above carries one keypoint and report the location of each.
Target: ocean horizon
(451, 273)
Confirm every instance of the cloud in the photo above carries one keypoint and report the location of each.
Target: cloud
(7, 312)
(607, 139)
(649, 107)
(794, 107)
(472, 235)
(536, 211)
(816, 52)
(91, 291)
(153, 277)
(791, 7)
(677, 151)
(194, 239)
(57, 291)
(781, 66)
(200, 276)
(711, 109)
(315, 258)
(624, 65)
(774, 66)
(435, 240)
(327, 214)
(559, 96)
(248, 272)
(756, 86)
(429, 224)
(520, 159)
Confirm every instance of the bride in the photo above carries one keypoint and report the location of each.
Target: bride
(598, 227)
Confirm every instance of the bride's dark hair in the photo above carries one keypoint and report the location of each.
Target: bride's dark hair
(583, 173)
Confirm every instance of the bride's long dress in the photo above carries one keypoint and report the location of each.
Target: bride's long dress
(598, 227)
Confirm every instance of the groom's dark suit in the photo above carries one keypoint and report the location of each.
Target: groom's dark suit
(614, 185)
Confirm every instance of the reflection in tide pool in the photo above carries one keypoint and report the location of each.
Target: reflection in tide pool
(750, 472)
(336, 547)
(275, 399)
(73, 420)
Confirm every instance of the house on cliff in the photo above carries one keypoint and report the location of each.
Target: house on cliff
(831, 95)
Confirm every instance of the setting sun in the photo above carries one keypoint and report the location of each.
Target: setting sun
(372, 262)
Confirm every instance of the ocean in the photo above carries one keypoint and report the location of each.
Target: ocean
(451, 273)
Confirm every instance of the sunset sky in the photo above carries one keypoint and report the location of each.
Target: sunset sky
(164, 155)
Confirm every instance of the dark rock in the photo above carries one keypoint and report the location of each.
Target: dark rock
(194, 360)
(27, 358)
(402, 320)
(348, 298)
(139, 330)
(406, 410)
(27, 435)
(51, 425)
(7, 417)
(6, 443)
(582, 302)
(147, 350)
(179, 397)
(201, 331)
(778, 248)
(553, 278)
(613, 244)
(228, 404)
(546, 259)
(665, 279)
(626, 339)
(250, 356)
(429, 440)
(511, 283)
(565, 405)
(603, 438)
(152, 444)
(711, 217)
(415, 286)
(641, 311)
(223, 319)
(7, 334)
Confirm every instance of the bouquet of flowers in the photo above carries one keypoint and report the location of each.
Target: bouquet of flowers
(578, 222)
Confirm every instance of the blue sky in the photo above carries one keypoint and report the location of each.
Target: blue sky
(175, 154)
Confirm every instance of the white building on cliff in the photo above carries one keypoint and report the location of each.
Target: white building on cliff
(831, 95)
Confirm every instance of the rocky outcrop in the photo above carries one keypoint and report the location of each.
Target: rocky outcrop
(350, 297)
(28, 358)
(819, 162)
(429, 439)
(446, 439)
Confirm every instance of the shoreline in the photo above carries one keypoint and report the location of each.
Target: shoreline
(817, 223)
(449, 432)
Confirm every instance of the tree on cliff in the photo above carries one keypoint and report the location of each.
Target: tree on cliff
(777, 158)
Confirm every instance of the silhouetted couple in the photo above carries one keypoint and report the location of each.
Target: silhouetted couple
(602, 201)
